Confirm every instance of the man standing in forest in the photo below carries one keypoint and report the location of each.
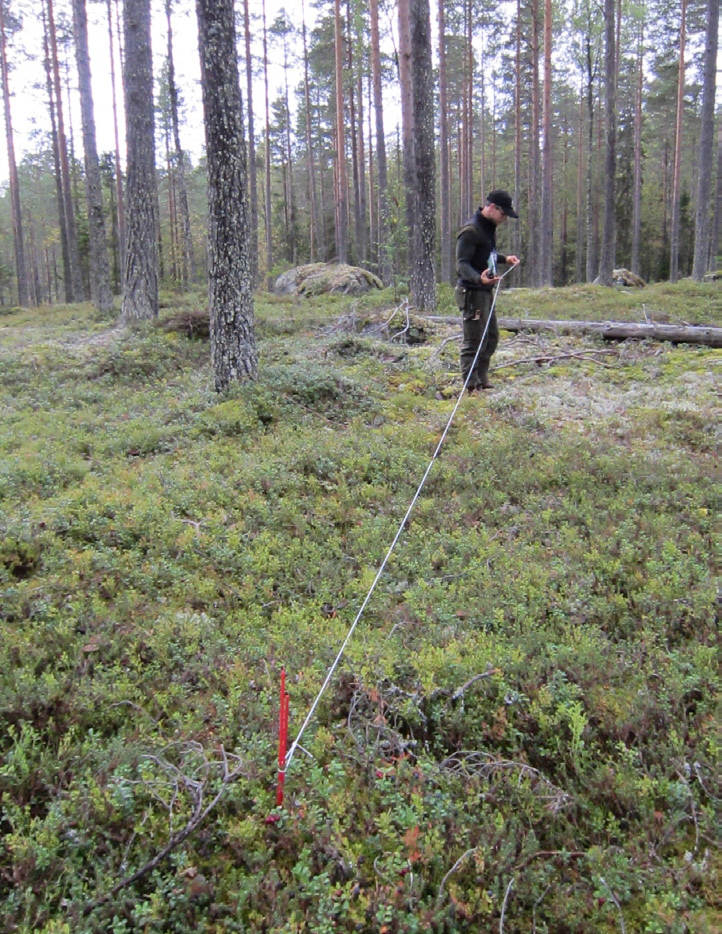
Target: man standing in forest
(476, 265)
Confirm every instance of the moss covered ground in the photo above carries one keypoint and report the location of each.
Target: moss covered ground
(521, 735)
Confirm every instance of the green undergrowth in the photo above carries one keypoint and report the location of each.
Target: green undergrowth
(524, 719)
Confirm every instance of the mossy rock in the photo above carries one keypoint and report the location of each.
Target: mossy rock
(318, 278)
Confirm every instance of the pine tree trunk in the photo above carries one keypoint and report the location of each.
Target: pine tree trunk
(446, 244)
(535, 159)
(341, 182)
(371, 191)
(291, 199)
(233, 344)
(676, 173)
(189, 260)
(76, 279)
(565, 204)
(353, 133)
(252, 181)
(706, 145)
(606, 259)
(62, 225)
(269, 231)
(314, 225)
(547, 180)
(516, 236)
(637, 182)
(482, 125)
(384, 247)
(20, 266)
(120, 200)
(407, 130)
(579, 247)
(424, 296)
(362, 171)
(140, 297)
(470, 200)
(714, 245)
(591, 251)
(99, 267)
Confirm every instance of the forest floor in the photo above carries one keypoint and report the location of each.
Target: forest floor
(521, 734)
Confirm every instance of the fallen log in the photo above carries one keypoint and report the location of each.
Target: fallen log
(611, 330)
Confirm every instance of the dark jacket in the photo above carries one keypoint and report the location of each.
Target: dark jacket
(474, 243)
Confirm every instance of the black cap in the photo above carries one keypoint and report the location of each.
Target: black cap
(502, 199)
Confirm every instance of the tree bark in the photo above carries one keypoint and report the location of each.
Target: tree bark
(637, 182)
(385, 270)
(516, 236)
(407, 132)
(120, 200)
(269, 232)
(353, 133)
(606, 260)
(252, 181)
(62, 225)
(706, 145)
(591, 258)
(20, 264)
(444, 185)
(178, 162)
(547, 180)
(424, 296)
(76, 279)
(676, 175)
(341, 182)
(363, 210)
(612, 330)
(100, 292)
(140, 298)
(579, 250)
(233, 346)
(534, 168)
(314, 225)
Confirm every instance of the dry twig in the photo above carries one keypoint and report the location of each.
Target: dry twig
(194, 783)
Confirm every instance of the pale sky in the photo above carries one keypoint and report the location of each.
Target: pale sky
(29, 101)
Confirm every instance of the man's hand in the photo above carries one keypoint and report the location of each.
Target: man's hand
(488, 279)
(513, 260)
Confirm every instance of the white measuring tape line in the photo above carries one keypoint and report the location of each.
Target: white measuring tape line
(295, 745)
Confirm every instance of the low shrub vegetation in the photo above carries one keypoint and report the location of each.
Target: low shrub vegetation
(521, 733)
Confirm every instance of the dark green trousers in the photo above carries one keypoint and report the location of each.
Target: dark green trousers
(475, 316)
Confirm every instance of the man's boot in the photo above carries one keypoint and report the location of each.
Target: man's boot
(483, 378)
